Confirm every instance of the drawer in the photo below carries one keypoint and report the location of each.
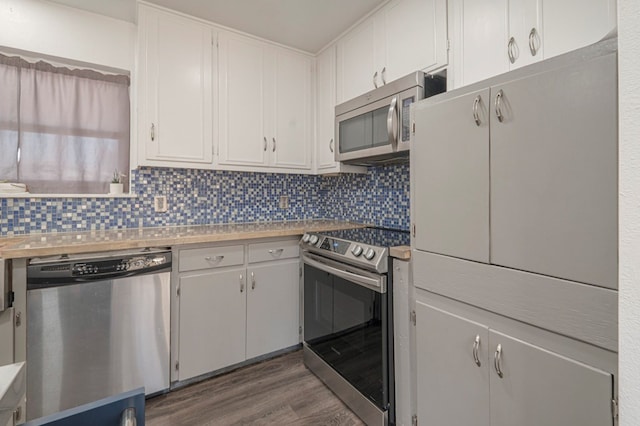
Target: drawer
(263, 252)
(210, 257)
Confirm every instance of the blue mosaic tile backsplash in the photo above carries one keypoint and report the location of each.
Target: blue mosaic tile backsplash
(199, 197)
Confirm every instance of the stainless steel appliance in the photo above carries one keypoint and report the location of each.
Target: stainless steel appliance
(374, 128)
(97, 325)
(348, 317)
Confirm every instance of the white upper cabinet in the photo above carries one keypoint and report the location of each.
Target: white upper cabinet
(265, 105)
(402, 37)
(175, 126)
(496, 36)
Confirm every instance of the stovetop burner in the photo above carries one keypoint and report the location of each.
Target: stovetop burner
(381, 237)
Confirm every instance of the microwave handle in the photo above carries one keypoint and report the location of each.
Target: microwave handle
(392, 123)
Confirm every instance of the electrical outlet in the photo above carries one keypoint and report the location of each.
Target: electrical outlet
(160, 203)
(284, 201)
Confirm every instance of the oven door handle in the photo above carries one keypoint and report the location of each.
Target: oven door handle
(376, 284)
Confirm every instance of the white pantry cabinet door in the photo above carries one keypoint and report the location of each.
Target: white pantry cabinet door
(176, 93)
(357, 61)
(244, 93)
(570, 24)
(291, 135)
(416, 36)
(212, 321)
(273, 303)
(525, 25)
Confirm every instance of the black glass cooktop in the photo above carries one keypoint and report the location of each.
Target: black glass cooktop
(379, 237)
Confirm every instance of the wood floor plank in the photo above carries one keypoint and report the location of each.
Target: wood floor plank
(280, 391)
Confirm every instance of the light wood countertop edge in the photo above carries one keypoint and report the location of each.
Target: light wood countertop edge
(400, 252)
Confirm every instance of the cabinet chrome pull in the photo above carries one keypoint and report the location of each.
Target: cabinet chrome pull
(498, 105)
(476, 117)
(213, 258)
(476, 347)
(253, 281)
(392, 118)
(382, 74)
(153, 132)
(511, 50)
(276, 252)
(497, 360)
(533, 35)
(375, 79)
(331, 145)
(241, 284)
(274, 144)
(264, 148)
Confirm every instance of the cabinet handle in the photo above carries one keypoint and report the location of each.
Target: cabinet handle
(241, 283)
(253, 281)
(511, 51)
(331, 145)
(498, 105)
(375, 79)
(382, 75)
(276, 252)
(476, 347)
(153, 132)
(476, 117)
(274, 144)
(213, 258)
(265, 144)
(533, 36)
(497, 360)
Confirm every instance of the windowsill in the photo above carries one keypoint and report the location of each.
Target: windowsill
(28, 195)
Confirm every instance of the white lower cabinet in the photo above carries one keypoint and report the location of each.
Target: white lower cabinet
(469, 373)
(243, 305)
(212, 321)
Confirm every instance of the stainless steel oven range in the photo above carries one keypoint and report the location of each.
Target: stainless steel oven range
(348, 317)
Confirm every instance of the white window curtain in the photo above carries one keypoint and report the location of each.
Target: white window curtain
(61, 130)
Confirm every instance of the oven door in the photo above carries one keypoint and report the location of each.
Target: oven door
(346, 323)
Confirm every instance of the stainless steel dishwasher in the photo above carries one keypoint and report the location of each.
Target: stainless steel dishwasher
(97, 325)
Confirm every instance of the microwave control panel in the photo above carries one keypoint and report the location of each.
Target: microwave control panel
(406, 125)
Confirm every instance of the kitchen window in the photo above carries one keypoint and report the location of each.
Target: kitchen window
(62, 131)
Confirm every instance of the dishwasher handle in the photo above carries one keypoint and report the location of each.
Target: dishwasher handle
(55, 274)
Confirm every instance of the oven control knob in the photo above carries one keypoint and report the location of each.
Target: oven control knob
(357, 251)
(305, 238)
(313, 240)
(369, 254)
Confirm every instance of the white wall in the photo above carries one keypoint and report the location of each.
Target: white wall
(60, 31)
(629, 232)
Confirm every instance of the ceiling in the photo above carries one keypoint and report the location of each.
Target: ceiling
(308, 25)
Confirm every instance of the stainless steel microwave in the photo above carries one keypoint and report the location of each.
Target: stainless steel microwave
(374, 128)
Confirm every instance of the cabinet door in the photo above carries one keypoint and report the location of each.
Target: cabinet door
(7, 327)
(525, 25)
(176, 68)
(416, 36)
(273, 307)
(452, 388)
(291, 136)
(539, 387)
(570, 24)
(325, 108)
(554, 173)
(357, 61)
(244, 92)
(212, 321)
(450, 163)
(481, 39)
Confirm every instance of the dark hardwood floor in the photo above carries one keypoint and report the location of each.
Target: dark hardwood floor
(280, 391)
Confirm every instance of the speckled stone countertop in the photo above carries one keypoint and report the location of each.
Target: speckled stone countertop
(121, 239)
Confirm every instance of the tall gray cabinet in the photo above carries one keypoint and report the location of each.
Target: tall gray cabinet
(514, 208)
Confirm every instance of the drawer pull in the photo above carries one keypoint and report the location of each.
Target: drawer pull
(213, 258)
(276, 252)
(476, 347)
